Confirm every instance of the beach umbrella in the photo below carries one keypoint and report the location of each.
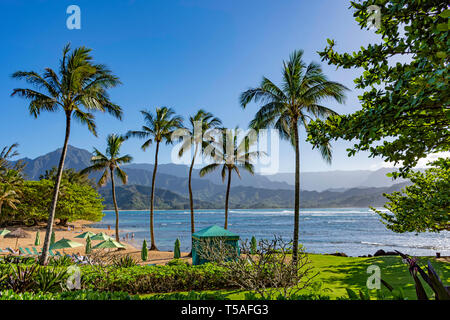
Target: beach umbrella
(85, 235)
(18, 233)
(4, 232)
(64, 244)
(101, 236)
(37, 241)
(109, 244)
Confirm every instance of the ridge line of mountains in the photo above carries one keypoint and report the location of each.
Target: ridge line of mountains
(359, 188)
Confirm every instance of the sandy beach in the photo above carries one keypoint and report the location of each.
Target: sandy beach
(78, 227)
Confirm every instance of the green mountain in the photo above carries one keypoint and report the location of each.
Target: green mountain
(137, 197)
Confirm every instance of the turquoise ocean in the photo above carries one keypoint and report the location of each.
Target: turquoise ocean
(354, 231)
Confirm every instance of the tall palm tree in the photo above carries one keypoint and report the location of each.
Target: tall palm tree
(110, 165)
(296, 102)
(199, 124)
(231, 155)
(78, 88)
(158, 127)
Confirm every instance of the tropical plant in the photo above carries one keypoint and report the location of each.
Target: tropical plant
(125, 262)
(8, 197)
(21, 278)
(79, 88)
(50, 279)
(431, 278)
(196, 136)
(110, 165)
(6, 155)
(295, 103)
(231, 155)
(158, 127)
(69, 175)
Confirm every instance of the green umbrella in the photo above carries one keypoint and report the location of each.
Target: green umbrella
(101, 236)
(85, 235)
(4, 232)
(109, 244)
(64, 244)
(37, 241)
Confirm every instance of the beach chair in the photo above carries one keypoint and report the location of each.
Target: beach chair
(22, 251)
(35, 251)
(12, 251)
(29, 251)
(50, 252)
(58, 254)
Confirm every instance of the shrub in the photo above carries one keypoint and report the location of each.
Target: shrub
(67, 295)
(125, 262)
(155, 279)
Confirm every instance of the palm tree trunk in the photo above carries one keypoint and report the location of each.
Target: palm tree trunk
(51, 216)
(191, 199)
(152, 196)
(113, 187)
(297, 194)
(227, 197)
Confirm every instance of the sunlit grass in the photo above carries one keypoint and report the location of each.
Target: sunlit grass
(339, 273)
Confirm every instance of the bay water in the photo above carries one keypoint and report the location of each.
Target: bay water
(354, 231)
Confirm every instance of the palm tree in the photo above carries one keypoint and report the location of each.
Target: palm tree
(9, 197)
(110, 165)
(200, 123)
(294, 103)
(157, 128)
(231, 156)
(78, 88)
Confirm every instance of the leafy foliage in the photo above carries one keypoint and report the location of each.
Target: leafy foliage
(422, 206)
(405, 78)
(75, 202)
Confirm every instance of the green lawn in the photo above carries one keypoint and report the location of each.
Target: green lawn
(339, 273)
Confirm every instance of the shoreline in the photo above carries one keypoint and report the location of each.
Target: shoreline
(154, 257)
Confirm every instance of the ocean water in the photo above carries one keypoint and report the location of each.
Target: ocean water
(354, 231)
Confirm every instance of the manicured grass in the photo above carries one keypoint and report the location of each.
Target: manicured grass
(339, 273)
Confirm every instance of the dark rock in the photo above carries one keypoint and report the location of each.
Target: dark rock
(369, 255)
(391, 253)
(380, 252)
(338, 254)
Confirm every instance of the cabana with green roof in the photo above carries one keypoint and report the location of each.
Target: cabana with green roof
(212, 232)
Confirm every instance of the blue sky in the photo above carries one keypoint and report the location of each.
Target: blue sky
(183, 54)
